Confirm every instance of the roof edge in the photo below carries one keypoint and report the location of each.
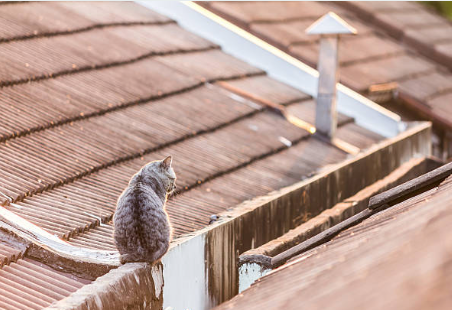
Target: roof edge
(139, 284)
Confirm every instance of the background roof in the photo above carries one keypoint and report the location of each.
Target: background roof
(92, 92)
(392, 41)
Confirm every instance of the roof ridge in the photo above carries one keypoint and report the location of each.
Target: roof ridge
(411, 187)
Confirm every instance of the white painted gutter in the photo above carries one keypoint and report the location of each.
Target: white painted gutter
(276, 63)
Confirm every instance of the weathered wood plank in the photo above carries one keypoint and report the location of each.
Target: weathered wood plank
(410, 187)
(321, 238)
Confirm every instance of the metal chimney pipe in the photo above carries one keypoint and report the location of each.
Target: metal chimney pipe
(329, 27)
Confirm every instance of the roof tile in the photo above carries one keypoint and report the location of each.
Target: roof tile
(26, 20)
(47, 57)
(360, 77)
(426, 86)
(28, 284)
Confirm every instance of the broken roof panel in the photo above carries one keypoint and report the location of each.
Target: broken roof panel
(9, 253)
(385, 254)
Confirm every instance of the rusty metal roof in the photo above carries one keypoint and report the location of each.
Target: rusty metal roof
(29, 284)
(9, 253)
(401, 42)
(89, 98)
(401, 253)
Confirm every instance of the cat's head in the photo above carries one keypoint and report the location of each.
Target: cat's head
(167, 174)
(160, 171)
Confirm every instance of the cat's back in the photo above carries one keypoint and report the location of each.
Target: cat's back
(141, 224)
(137, 201)
(142, 231)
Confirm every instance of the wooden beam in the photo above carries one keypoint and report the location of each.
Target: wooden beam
(410, 187)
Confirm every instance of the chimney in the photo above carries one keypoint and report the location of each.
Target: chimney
(329, 27)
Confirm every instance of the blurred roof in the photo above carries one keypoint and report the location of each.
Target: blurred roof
(28, 284)
(93, 91)
(402, 42)
(398, 258)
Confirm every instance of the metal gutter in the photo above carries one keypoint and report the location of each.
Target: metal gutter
(255, 263)
(276, 63)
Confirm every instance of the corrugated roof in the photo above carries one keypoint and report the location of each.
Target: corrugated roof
(401, 253)
(9, 253)
(417, 26)
(29, 284)
(90, 98)
(385, 50)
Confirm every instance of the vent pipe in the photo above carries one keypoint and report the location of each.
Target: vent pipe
(329, 27)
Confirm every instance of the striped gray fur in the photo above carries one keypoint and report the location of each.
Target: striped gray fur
(142, 228)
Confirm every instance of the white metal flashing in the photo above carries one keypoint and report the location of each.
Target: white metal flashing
(184, 274)
(276, 63)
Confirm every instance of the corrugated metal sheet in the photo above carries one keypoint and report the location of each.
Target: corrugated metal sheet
(99, 238)
(402, 253)
(28, 284)
(9, 254)
(25, 20)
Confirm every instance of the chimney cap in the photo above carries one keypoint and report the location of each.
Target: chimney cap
(330, 24)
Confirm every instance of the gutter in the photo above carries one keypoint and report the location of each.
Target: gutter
(373, 199)
(276, 63)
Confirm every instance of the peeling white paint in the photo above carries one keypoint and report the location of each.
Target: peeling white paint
(249, 273)
(137, 278)
(185, 275)
(98, 301)
(157, 276)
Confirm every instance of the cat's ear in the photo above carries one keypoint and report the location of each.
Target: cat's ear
(166, 163)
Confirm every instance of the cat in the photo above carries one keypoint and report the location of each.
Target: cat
(142, 230)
